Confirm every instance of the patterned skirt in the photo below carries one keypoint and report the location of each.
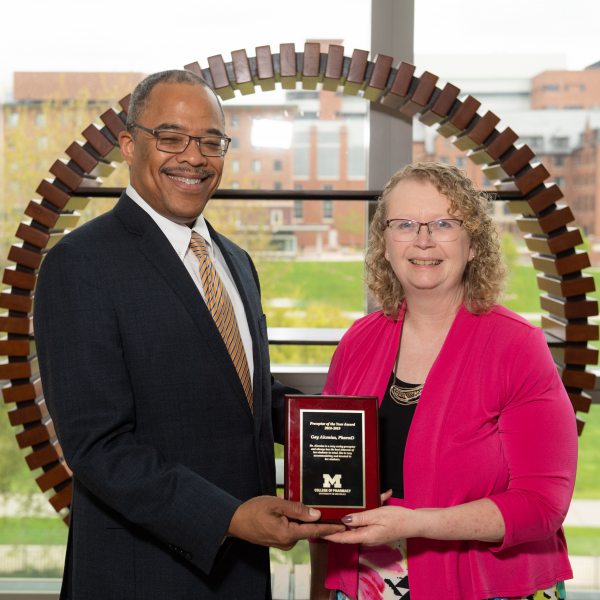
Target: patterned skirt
(383, 575)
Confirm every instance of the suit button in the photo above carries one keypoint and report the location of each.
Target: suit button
(189, 556)
(170, 546)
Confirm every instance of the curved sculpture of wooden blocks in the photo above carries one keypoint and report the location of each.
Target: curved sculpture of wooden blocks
(511, 165)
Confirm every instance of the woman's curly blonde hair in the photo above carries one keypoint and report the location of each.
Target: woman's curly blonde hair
(484, 275)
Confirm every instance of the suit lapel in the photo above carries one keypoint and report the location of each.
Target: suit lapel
(158, 250)
(245, 284)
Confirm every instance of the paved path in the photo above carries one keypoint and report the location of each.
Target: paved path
(583, 513)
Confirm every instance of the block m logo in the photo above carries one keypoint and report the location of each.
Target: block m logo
(328, 481)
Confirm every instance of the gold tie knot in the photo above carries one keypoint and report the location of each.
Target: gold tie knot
(198, 244)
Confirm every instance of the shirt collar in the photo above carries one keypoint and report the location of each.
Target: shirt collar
(178, 235)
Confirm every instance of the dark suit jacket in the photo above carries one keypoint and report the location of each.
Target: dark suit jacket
(151, 415)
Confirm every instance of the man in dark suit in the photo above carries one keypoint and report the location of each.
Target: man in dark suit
(155, 366)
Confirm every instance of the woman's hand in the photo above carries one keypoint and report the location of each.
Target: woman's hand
(478, 520)
(379, 526)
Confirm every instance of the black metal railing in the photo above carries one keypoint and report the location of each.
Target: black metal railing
(225, 194)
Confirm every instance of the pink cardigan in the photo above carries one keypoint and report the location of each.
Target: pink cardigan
(493, 421)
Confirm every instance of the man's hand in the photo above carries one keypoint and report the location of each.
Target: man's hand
(270, 521)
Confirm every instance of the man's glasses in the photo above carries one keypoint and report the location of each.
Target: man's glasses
(176, 143)
(441, 230)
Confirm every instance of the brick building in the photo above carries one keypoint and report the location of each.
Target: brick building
(566, 89)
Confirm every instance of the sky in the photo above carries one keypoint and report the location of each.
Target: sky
(131, 35)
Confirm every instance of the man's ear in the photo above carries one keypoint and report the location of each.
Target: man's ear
(127, 144)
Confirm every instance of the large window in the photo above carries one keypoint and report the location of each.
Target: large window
(301, 153)
(328, 151)
(357, 160)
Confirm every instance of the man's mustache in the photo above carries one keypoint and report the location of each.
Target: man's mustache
(179, 170)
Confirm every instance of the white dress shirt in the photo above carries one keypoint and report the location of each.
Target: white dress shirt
(180, 236)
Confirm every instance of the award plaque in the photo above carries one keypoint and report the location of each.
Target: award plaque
(332, 453)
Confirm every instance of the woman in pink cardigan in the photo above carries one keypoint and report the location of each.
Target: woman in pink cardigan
(478, 439)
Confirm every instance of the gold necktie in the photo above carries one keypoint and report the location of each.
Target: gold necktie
(219, 304)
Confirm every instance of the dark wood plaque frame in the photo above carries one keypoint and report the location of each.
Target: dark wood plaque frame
(369, 406)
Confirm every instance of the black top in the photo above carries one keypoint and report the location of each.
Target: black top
(394, 423)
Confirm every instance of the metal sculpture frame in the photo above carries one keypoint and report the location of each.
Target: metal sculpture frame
(513, 168)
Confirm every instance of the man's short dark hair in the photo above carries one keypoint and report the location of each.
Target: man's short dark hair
(141, 94)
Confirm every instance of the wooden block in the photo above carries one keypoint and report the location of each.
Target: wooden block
(81, 157)
(124, 103)
(494, 171)
(52, 193)
(264, 67)
(356, 74)
(559, 217)
(62, 499)
(66, 519)
(580, 424)
(501, 144)
(287, 66)
(576, 378)
(561, 266)
(218, 72)
(576, 286)
(24, 347)
(97, 140)
(54, 477)
(310, 65)
(28, 414)
(18, 302)
(584, 354)
(400, 86)
(479, 133)
(36, 434)
(42, 214)
(333, 68)
(20, 325)
(67, 221)
(19, 279)
(532, 178)
(541, 200)
(569, 332)
(55, 238)
(19, 370)
(580, 400)
(65, 174)
(32, 235)
(378, 80)
(241, 69)
(562, 307)
(45, 455)
(25, 257)
(480, 156)
(77, 203)
(113, 122)
(555, 244)
(20, 393)
(193, 68)
(517, 160)
(441, 107)
(281, 582)
(484, 127)
(459, 119)
(302, 582)
(420, 98)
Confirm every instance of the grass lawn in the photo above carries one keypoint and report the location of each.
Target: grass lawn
(583, 541)
(340, 284)
(335, 283)
(33, 530)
